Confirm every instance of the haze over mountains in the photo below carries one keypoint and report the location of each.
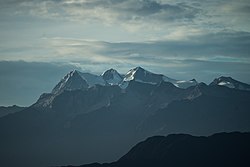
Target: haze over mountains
(90, 118)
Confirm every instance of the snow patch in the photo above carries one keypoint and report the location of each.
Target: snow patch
(228, 84)
(130, 75)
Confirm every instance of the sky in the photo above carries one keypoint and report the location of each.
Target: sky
(40, 41)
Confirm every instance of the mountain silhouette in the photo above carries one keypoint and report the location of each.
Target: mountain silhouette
(10, 109)
(230, 83)
(85, 115)
(178, 150)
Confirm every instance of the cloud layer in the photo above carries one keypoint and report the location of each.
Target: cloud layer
(203, 56)
(183, 39)
(213, 14)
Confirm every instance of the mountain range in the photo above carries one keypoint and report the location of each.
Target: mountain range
(97, 118)
(78, 80)
(10, 109)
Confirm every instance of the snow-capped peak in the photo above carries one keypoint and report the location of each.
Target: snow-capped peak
(185, 84)
(109, 71)
(130, 75)
(141, 75)
(78, 80)
(71, 81)
(230, 83)
(112, 77)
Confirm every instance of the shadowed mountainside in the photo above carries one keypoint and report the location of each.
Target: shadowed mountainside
(178, 150)
(10, 109)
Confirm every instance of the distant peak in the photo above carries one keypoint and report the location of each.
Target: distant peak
(139, 68)
(225, 78)
(194, 80)
(71, 81)
(73, 72)
(230, 83)
(112, 77)
(141, 75)
(111, 70)
(202, 84)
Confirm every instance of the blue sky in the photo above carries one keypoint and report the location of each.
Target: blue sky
(182, 39)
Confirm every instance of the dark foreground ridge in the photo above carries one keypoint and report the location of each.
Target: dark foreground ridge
(9, 110)
(178, 150)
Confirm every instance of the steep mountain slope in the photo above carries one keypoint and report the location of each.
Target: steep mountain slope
(223, 149)
(112, 77)
(141, 75)
(230, 83)
(71, 81)
(178, 150)
(215, 109)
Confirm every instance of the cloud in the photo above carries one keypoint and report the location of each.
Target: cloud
(131, 10)
(147, 18)
(125, 12)
(215, 53)
(224, 44)
(220, 12)
(227, 46)
(218, 53)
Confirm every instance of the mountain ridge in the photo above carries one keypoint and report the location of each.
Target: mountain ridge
(63, 126)
(230, 83)
(10, 109)
(221, 149)
(139, 74)
(112, 77)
